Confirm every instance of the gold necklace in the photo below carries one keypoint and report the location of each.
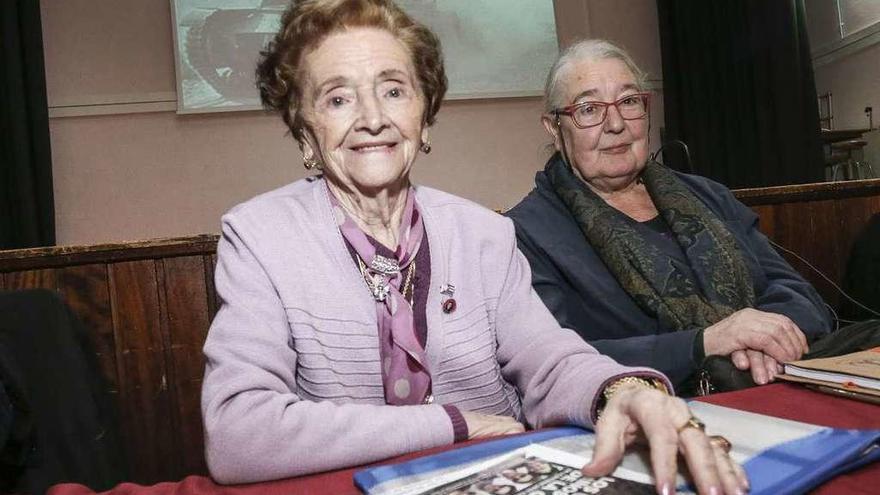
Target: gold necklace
(409, 284)
(379, 286)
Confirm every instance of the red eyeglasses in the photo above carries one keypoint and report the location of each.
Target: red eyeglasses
(592, 113)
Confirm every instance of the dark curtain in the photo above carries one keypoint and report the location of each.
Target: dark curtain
(739, 91)
(27, 212)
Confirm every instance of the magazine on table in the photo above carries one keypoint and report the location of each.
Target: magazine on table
(531, 471)
(780, 456)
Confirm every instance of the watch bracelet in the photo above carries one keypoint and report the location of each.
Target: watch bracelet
(615, 386)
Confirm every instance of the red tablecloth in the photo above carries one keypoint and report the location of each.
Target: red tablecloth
(789, 401)
(781, 400)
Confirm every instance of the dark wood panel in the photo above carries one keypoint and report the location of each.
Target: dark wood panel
(766, 220)
(191, 432)
(187, 320)
(175, 458)
(86, 290)
(210, 262)
(142, 369)
(188, 314)
(31, 279)
(810, 230)
(46, 257)
(808, 192)
(853, 218)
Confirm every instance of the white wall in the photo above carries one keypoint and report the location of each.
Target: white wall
(137, 170)
(849, 69)
(854, 80)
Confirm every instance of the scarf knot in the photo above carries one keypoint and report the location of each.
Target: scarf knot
(405, 375)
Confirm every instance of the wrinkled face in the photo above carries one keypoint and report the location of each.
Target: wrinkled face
(610, 155)
(363, 110)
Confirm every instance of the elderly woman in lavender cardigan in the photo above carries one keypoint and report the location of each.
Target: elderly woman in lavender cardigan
(364, 317)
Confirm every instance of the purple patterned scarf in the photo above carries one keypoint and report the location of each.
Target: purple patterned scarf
(405, 374)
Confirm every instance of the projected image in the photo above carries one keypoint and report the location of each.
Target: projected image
(218, 44)
(491, 48)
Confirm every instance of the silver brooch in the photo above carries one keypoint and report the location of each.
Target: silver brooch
(384, 265)
(379, 287)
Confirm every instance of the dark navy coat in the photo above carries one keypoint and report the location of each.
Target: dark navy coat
(583, 294)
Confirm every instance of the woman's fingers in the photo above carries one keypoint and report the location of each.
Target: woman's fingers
(664, 442)
(771, 334)
(763, 367)
(773, 337)
(741, 476)
(611, 431)
(740, 359)
(654, 413)
(748, 328)
(701, 460)
(669, 429)
(756, 365)
(771, 366)
(731, 475)
(794, 334)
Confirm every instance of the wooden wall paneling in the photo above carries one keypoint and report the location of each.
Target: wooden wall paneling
(766, 220)
(169, 378)
(217, 301)
(210, 262)
(797, 226)
(31, 279)
(2, 281)
(187, 309)
(86, 290)
(853, 216)
(142, 369)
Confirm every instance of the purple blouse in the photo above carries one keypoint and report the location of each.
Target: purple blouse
(421, 282)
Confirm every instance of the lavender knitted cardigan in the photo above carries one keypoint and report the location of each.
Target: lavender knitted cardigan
(293, 382)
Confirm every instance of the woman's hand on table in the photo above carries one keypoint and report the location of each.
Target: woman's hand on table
(771, 334)
(488, 425)
(637, 412)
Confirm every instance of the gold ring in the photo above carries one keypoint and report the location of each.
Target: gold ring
(692, 422)
(721, 442)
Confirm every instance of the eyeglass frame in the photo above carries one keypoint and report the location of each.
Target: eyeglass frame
(569, 110)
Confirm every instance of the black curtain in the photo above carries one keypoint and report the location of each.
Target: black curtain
(739, 91)
(27, 212)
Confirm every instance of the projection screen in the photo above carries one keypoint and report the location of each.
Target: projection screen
(492, 48)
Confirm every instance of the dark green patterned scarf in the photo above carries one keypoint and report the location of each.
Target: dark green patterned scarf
(718, 282)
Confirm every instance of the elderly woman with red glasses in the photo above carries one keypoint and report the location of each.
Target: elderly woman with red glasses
(651, 266)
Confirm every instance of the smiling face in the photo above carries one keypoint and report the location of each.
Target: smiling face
(363, 110)
(608, 156)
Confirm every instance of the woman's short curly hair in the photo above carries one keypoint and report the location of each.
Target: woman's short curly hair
(306, 23)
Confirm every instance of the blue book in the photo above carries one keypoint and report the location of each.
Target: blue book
(780, 457)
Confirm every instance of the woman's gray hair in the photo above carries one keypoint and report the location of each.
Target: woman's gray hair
(590, 49)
